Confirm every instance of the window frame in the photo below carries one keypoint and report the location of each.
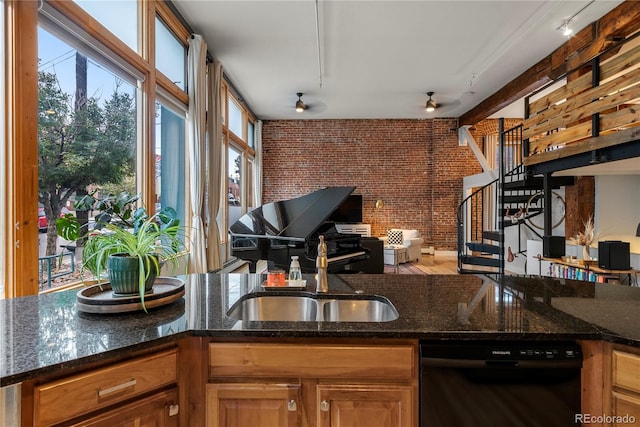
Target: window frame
(20, 183)
(21, 102)
(239, 143)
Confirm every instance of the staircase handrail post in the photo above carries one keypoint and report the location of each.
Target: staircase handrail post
(500, 210)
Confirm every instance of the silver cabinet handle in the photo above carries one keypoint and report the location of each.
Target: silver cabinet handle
(324, 406)
(102, 393)
(291, 406)
(173, 410)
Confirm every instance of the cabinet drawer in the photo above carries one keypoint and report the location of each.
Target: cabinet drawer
(318, 360)
(626, 370)
(160, 410)
(75, 395)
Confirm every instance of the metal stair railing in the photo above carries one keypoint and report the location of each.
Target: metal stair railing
(481, 215)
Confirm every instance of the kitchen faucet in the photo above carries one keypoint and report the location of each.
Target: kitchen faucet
(321, 263)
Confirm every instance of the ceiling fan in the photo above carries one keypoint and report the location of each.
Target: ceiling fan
(314, 107)
(443, 102)
(300, 107)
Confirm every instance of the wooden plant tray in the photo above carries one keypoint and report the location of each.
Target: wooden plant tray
(100, 298)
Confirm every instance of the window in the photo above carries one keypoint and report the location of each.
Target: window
(251, 170)
(170, 160)
(235, 182)
(240, 168)
(94, 86)
(251, 137)
(88, 110)
(120, 19)
(170, 55)
(87, 138)
(235, 118)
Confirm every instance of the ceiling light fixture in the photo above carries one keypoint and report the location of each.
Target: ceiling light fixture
(565, 28)
(299, 104)
(431, 104)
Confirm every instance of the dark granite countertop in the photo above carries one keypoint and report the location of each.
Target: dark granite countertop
(46, 333)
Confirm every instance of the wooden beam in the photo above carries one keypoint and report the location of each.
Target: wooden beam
(521, 86)
(622, 21)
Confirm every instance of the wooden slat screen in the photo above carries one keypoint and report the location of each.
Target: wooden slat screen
(563, 117)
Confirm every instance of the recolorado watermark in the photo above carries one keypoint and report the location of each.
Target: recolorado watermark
(604, 419)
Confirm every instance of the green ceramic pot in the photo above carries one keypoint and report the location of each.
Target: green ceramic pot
(124, 275)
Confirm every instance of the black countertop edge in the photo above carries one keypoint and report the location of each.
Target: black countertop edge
(95, 358)
(448, 335)
(616, 339)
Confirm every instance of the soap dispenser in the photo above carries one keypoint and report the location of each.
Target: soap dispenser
(295, 274)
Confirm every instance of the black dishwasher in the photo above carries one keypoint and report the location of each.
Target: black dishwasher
(499, 383)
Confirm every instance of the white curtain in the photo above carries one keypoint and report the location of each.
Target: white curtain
(214, 164)
(197, 84)
(257, 170)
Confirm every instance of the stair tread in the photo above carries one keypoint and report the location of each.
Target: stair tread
(483, 247)
(537, 183)
(491, 235)
(515, 198)
(478, 270)
(480, 260)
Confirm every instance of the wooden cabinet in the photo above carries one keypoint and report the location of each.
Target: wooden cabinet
(117, 395)
(625, 382)
(312, 384)
(364, 405)
(253, 405)
(158, 410)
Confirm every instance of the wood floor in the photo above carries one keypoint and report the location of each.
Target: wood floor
(438, 264)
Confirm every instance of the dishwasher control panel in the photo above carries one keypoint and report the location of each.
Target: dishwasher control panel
(501, 350)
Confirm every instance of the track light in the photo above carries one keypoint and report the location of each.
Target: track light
(299, 104)
(431, 104)
(566, 29)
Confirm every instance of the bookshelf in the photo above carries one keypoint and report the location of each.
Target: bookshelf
(586, 271)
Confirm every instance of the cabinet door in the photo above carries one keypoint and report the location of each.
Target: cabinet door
(626, 370)
(625, 407)
(255, 405)
(365, 405)
(158, 410)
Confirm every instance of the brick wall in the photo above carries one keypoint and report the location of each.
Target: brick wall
(415, 166)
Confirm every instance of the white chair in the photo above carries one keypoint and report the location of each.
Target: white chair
(409, 239)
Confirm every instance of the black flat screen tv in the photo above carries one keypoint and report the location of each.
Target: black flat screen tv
(349, 212)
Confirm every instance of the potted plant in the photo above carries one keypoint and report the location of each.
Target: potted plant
(126, 242)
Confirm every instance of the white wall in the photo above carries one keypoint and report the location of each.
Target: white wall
(618, 209)
(617, 214)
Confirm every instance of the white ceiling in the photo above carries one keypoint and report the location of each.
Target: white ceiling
(379, 58)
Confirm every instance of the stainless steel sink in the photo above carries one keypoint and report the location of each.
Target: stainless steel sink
(359, 310)
(317, 308)
(275, 308)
